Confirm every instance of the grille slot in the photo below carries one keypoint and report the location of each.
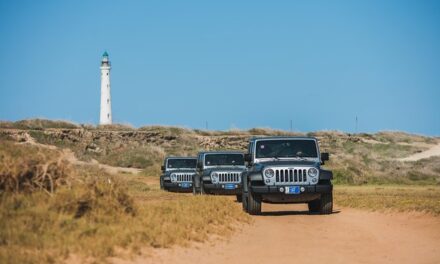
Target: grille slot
(184, 177)
(290, 175)
(229, 177)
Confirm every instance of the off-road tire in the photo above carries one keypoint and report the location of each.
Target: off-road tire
(196, 191)
(239, 198)
(244, 201)
(326, 203)
(202, 189)
(253, 203)
(161, 184)
(314, 206)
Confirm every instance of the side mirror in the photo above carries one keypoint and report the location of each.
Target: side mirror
(199, 166)
(162, 168)
(247, 157)
(325, 157)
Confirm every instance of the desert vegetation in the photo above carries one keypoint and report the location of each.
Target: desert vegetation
(390, 198)
(27, 169)
(356, 158)
(38, 124)
(52, 209)
(85, 212)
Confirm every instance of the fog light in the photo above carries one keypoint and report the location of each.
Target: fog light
(236, 186)
(281, 189)
(302, 189)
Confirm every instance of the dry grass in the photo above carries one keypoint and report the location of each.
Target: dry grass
(38, 124)
(402, 137)
(140, 157)
(29, 168)
(97, 214)
(425, 199)
(38, 229)
(371, 158)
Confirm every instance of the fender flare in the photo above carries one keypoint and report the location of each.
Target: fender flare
(250, 176)
(325, 174)
(196, 178)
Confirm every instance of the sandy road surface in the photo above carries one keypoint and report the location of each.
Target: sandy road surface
(434, 151)
(347, 236)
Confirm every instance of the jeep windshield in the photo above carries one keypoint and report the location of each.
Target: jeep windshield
(181, 163)
(224, 160)
(289, 148)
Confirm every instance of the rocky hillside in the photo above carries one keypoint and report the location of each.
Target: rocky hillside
(355, 159)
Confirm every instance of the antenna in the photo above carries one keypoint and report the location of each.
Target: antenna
(291, 125)
(206, 125)
(356, 128)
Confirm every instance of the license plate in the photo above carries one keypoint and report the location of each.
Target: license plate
(185, 185)
(229, 186)
(292, 190)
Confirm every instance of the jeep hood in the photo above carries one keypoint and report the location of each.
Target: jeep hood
(287, 163)
(228, 168)
(180, 171)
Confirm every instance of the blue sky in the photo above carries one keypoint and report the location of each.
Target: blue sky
(235, 64)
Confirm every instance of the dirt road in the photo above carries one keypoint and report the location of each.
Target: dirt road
(347, 236)
(433, 151)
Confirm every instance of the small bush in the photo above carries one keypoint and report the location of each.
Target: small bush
(27, 168)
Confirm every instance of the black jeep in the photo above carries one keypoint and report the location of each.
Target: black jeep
(178, 173)
(219, 173)
(286, 170)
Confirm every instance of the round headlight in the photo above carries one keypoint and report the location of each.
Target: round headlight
(214, 177)
(313, 172)
(269, 173)
(173, 176)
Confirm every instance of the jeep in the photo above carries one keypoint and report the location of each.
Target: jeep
(286, 170)
(219, 173)
(178, 173)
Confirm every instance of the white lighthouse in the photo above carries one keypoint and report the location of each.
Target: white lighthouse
(106, 101)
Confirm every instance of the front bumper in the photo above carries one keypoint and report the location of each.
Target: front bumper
(223, 188)
(307, 189)
(272, 194)
(178, 186)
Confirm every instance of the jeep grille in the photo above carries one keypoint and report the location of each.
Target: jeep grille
(184, 177)
(290, 175)
(229, 177)
(284, 176)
